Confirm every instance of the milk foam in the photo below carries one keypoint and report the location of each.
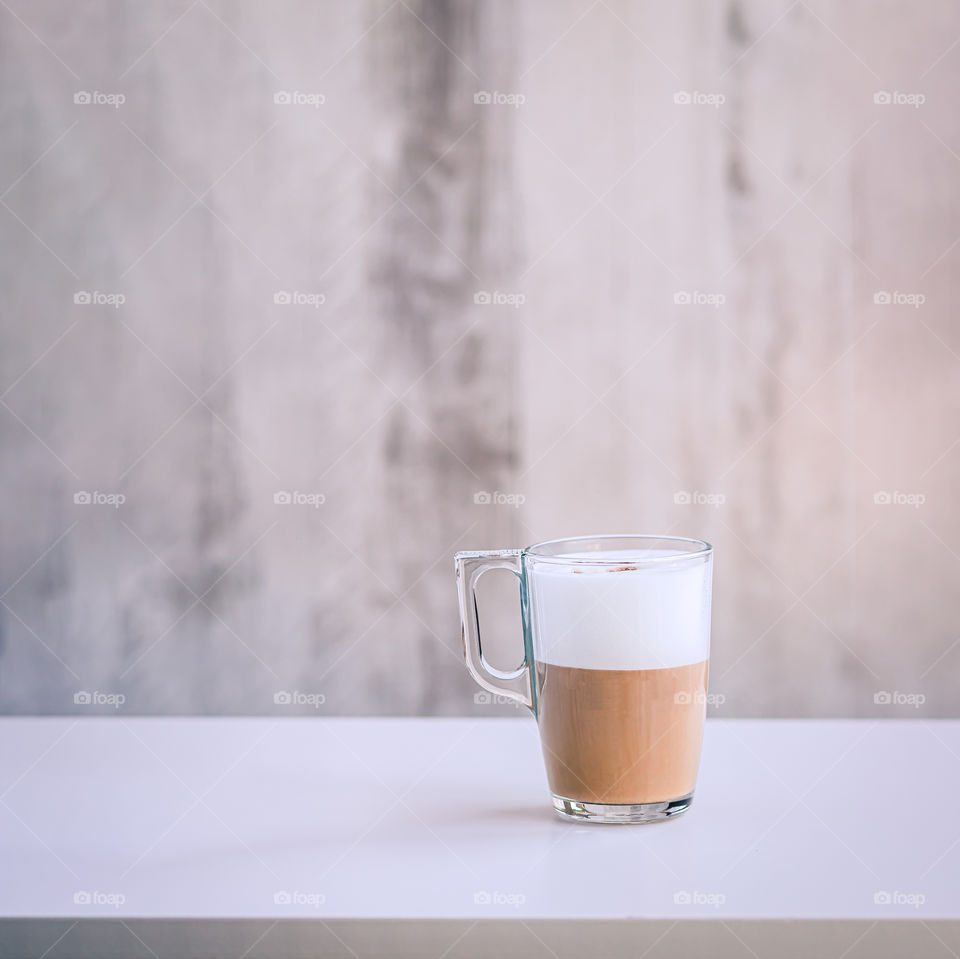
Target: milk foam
(611, 617)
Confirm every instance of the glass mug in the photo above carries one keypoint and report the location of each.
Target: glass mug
(616, 635)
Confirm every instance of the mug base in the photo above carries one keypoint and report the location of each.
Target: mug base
(577, 811)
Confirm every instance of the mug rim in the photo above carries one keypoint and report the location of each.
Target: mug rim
(698, 548)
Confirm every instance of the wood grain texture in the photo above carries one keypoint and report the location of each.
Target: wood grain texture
(587, 212)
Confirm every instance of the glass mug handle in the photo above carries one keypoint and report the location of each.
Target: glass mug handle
(515, 683)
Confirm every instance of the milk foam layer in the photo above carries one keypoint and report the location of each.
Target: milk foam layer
(627, 616)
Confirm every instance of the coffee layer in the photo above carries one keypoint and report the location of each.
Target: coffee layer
(624, 615)
(621, 736)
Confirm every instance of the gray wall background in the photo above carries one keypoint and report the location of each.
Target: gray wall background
(602, 399)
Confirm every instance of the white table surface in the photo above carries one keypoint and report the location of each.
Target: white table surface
(450, 818)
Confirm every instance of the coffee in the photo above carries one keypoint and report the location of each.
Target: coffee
(621, 735)
(621, 653)
(616, 646)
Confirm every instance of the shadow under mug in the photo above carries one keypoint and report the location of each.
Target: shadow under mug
(616, 634)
